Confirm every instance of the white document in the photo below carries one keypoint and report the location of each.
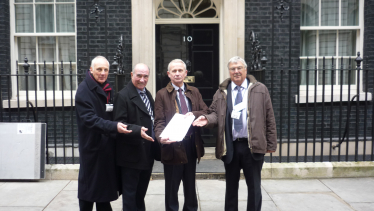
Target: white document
(178, 127)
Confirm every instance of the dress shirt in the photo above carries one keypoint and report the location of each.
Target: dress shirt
(244, 91)
(184, 95)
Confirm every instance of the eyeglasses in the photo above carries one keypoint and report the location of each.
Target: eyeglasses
(232, 69)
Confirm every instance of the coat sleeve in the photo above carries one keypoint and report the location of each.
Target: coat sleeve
(121, 114)
(202, 108)
(160, 118)
(86, 112)
(271, 130)
(212, 112)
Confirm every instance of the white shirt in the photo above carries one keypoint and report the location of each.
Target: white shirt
(244, 91)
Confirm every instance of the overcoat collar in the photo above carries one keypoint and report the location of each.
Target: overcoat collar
(224, 85)
(92, 84)
(170, 87)
(138, 101)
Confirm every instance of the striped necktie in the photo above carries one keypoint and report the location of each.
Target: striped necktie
(147, 104)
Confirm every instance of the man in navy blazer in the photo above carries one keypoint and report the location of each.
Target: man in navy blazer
(136, 151)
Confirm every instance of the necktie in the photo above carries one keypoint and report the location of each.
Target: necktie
(147, 104)
(182, 101)
(238, 123)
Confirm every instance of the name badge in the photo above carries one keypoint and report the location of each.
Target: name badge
(235, 114)
(109, 107)
(239, 106)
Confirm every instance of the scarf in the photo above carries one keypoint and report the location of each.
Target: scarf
(105, 87)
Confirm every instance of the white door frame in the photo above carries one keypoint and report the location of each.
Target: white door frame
(231, 29)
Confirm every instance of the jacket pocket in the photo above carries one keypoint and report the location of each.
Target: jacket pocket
(167, 152)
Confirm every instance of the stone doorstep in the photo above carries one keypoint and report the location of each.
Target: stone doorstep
(269, 171)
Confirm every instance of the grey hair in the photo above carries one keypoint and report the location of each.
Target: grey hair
(237, 59)
(177, 61)
(93, 62)
(133, 69)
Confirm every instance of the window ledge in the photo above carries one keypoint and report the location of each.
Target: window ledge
(57, 102)
(334, 98)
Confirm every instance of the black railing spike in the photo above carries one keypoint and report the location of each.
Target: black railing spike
(26, 66)
(358, 60)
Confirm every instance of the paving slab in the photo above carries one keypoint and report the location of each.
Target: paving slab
(362, 206)
(66, 200)
(158, 187)
(309, 202)
(212, 205)
(157, 202)
(116, 205)
(268, 205)
(243, 192)
(21, 208)
(211, 190)
(1, 183)
(291, 186)
(363, 188)
(30, 194)
(73, 185)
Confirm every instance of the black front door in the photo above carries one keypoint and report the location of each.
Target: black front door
(198, 46)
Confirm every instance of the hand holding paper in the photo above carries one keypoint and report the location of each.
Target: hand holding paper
(178, 127)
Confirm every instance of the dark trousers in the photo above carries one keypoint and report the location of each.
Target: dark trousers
(244, 159)
(174, 174)
(100, 206)
(134, 187)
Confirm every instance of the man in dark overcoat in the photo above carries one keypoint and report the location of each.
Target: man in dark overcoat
(179, 158)
(97, 181)
(136, 151)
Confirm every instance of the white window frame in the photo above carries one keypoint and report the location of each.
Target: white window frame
(336, 88)
(14, 57)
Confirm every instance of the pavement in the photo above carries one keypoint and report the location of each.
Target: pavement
(338, 194)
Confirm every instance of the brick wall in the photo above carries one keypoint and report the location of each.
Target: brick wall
(101, 37)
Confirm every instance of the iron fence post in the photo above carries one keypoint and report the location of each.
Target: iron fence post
(26, 69)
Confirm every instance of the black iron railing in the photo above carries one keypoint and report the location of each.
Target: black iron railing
(323, 113)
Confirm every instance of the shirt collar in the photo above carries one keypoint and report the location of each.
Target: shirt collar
(244, 85)
(140, 90)
(177, 87)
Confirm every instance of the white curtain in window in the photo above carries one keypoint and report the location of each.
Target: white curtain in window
(327, 43)
(349, 13)
(65, 18)
(330, 13)
(347, 42)
(26, 48)
(49, 79)
(47, 49)
(44, 18)
(308, 43)
(24, 18)
(309, 12)
(66, 49)
(310, 66)
(67, 78)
